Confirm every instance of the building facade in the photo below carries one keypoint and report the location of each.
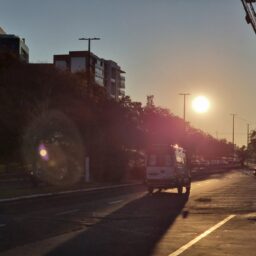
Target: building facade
(105, 73)
(114, 79)
(14, 45)
(78, 61)
(2, 32)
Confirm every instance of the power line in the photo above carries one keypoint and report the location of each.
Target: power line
(250, 13)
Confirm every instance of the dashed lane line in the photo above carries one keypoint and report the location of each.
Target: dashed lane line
(198, 238)
(67, 212)
(116, 202)
(33, 196)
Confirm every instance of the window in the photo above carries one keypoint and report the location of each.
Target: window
(160, 160)
(78, 64)
(168, 160)
(113, 73)
(152, 160)
(113, 88)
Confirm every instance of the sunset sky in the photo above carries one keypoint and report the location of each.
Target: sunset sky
(166, 47)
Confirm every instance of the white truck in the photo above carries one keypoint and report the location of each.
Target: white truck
(166, 167)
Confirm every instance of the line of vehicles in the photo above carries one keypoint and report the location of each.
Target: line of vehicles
(225, 162)
(167, 166)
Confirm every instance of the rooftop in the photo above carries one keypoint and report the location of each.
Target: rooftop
(2, 32)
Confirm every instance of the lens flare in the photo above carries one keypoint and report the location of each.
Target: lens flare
(43, 152)
(58, 154)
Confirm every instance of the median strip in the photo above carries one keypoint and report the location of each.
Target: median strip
(13, 199)
(198, 238)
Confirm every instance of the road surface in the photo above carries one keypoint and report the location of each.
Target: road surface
(218, 218)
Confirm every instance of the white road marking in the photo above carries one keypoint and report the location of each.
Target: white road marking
(198, 238)
(116, 202)
(67, 212)
(2, 225)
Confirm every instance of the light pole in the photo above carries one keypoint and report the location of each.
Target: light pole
(233, 131)
(248, 135)
(184, 104)
(88, 66)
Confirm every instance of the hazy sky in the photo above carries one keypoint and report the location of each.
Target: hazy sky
(203, 47)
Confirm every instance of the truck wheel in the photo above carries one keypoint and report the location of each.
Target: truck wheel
(180, 188)
(188, 190)
(188, 185)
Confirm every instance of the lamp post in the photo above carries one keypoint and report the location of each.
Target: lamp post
(88, 66)
(184, 104)
(248, 135)
(233, 131)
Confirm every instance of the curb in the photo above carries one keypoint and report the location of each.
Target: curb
(33, 196)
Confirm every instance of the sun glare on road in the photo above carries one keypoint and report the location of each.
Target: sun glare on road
(201, 104)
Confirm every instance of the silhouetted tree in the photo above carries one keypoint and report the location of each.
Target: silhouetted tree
(111, 133)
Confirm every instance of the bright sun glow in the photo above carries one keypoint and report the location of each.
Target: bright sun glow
(201, 104)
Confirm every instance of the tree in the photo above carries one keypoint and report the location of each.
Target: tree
(43, 106)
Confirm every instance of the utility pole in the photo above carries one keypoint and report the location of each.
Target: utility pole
(88, 64)
(248, 135)
(184, 103)
(233, 130)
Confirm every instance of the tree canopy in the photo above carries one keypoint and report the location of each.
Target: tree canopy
(40, 103)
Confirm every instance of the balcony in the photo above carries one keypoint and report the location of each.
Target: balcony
(121, 93)
(122, 82)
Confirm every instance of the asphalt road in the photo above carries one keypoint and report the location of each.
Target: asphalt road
(218, 218)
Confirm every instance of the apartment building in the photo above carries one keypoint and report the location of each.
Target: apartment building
(14, 45)
(82, 61)
(105, 73)
(114, 79)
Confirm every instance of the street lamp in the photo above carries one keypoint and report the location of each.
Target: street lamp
(248, 135)
(89, 39)
(233, 130)
(184, 104)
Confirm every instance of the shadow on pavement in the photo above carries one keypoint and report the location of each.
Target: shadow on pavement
(133, 229)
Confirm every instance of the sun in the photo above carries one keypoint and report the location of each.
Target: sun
(200, 104)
